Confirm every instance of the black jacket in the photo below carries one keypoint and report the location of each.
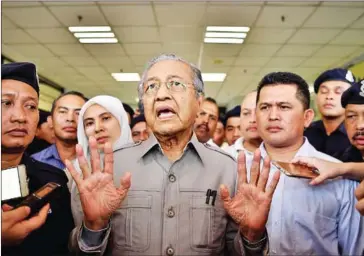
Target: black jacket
(334, 144)
(352, 154)
(52, 237)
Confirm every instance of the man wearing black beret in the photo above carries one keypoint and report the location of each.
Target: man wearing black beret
(328, 135)
(353, 102)
(19, 120)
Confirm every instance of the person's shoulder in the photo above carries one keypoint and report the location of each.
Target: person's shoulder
(128, 146)
(42, 153)
(218, 152)
(318, 154)
(45, 171)
(316, 125)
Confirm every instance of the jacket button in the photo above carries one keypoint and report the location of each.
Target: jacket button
(172, 178)
(170, 212)
(170, 251)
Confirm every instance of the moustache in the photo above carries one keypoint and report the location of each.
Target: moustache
(203, 125)
(357, 134)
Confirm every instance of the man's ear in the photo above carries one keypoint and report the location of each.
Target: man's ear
(308, 117)
(50, 121)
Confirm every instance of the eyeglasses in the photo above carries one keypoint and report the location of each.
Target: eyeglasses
(151, 87)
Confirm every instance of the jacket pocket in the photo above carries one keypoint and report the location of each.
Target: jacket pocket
(131, 223)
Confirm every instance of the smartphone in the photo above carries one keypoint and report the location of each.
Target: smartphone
(297, 170)
(14, 183)
(41, 197)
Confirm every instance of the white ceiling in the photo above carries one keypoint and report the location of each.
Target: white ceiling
(314, 36)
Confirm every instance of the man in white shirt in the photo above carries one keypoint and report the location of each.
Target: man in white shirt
(303, 219)
(206, 121)
(250, 139)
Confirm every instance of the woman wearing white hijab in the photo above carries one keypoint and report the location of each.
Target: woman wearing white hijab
(104, 118)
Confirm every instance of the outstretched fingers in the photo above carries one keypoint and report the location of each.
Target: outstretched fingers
(263, 179)
(273, 184)
(75, 175)
(108, 159)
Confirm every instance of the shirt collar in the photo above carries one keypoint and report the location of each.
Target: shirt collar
(320, 125)
(52, 152)
(152, 143)
(304, 150)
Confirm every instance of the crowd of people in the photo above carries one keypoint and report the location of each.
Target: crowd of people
(177, 177)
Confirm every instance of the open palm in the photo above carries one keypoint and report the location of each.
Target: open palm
(250, 206)
(98, 194)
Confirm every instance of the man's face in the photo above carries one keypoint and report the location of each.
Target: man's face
(65, 117)
(281, 117)
(354, 124)
(232, 131)
(219, 135)
(45, 132)
(140, 132)
(19, 116)
(168, 113)
(206, 121)
(329, 98)
(248, 124)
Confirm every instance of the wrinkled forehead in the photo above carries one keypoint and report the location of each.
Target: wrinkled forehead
(249, 101)
(16, 88)
(168, 68)
(275, 94)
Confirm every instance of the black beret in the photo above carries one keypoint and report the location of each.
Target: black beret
(336, 74)
(21, 71)
(129, 110)
(43, 115)
(235, 112)
(353, 95)
(137, 119)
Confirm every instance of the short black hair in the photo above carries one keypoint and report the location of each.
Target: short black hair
(129, 110)
(275, 78)
(65, 94)
(213, 101)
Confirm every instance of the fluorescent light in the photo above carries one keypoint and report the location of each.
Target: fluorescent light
(225, 35)
(98, 40)
(227, 29)
(89, 29)
(85, 35)
(126, 77)
(224, 40)
(213, 77)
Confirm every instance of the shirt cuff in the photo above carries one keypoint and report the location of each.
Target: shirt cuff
(91, 240)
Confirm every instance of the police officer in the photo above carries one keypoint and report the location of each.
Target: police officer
(353, 102)
(328, 135)
(19, 119)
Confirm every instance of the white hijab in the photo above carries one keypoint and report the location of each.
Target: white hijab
(115, 107)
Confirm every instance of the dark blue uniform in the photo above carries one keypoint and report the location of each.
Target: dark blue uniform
(334, 144)
(51, 238)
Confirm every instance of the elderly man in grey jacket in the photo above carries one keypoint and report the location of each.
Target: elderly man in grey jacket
(185, 198)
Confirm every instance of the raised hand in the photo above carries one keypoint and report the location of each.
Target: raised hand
(359, 194)
(328, 170)
(250, 206)
(98, 194)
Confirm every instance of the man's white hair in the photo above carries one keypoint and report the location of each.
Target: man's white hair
(197, 77)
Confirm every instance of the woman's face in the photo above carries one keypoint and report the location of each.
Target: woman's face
(101, 124)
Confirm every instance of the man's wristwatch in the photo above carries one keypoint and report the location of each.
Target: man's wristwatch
(256, 246)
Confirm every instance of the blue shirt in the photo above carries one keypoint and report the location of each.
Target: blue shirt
(313, 220)
(50, 156)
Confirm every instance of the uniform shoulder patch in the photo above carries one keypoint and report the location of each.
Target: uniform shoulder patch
(219, 150)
